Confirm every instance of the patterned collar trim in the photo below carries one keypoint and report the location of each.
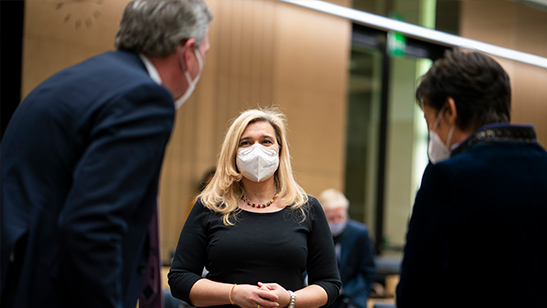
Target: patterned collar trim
(498, 133)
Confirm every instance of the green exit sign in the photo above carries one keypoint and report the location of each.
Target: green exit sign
(396, 43)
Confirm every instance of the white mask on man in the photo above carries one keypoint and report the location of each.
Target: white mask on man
(191, 83)
(257, 162)
(437, 150)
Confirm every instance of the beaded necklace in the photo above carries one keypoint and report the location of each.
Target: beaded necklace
(259, 206)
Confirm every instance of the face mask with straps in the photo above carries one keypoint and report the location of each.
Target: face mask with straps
(437, 150)
(191, 83)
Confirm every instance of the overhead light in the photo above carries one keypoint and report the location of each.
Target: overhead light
(418, 32)
(538, 2)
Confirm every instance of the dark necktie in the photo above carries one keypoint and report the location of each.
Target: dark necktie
(151, 293)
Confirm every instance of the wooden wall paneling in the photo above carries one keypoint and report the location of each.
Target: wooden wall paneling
(498, 29)
(88, 23)
(267, 48)
(531, 26)
(223, 46)
(311, 84)
(516, 26)
(220, 36)
(236, 77)
(44, 57)
(235, 57)
(53, 41)
(529, 99)
(529, 92)
(246, 52)
(261, 31)
(257, 54)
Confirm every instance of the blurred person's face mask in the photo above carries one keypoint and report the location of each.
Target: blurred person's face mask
(437, 150)
(191, 83)
(257, 162)
(337, 228)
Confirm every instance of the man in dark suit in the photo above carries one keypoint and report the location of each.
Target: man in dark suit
(81, 160)
(354, 251)
(477, 233)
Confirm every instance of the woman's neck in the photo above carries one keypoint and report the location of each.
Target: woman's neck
(261, 192)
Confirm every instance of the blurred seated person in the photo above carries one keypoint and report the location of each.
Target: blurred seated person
(354, 251)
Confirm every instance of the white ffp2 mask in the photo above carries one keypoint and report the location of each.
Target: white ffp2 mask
(257, 162)
(191, 83)
(437, 150)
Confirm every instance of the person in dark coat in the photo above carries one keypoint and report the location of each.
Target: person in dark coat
(81, 159)
(477, 233)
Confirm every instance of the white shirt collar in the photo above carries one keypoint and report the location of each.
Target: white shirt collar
(152, 71)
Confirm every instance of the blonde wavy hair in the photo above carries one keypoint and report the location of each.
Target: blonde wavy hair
(225, 190)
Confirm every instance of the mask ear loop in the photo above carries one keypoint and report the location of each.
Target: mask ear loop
(187, 73)
(439, 116)
(185, 70)
(450, 132)
(196, 54)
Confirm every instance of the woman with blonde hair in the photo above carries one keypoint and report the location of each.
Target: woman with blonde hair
(254, 229)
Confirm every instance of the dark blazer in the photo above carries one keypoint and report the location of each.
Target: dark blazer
(81, 159)
(356, 265)
(478, 232)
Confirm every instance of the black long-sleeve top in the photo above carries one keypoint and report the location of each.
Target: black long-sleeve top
(260, 247)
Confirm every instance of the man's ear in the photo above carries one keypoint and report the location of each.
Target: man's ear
(451, 111)
(187, 50)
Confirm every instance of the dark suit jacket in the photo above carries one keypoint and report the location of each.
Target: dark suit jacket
(81, 159)
(356, 263)
(478, 232)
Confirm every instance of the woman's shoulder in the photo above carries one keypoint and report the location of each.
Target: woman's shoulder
(311, 206)
(199, 208)
(313, 203)
(198, 203)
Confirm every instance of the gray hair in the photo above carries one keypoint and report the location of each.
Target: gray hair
(155, 28)
(332, 199)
